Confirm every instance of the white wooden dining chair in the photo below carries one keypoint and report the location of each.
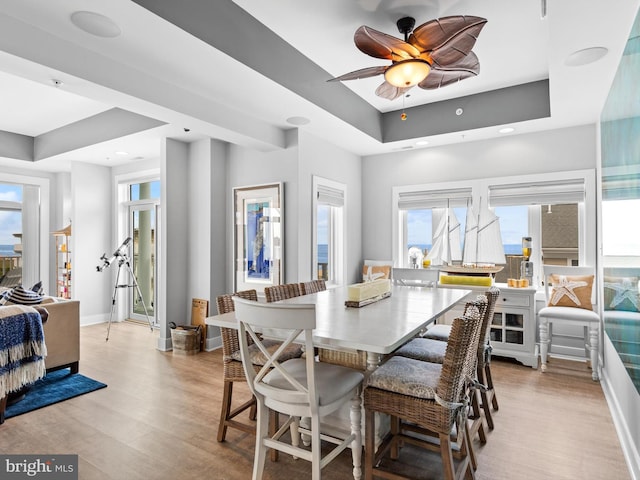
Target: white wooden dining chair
(570, 298)
(297, 387)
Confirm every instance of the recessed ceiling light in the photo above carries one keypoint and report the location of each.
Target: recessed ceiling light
(422, 142)
(506, 130)
(122, 153)
(585, 56)
(95, 24)
(297, 121)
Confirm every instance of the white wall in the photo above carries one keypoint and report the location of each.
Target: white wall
(250, 167)
(206, 240)
(318, 157)
(305, 156)
(91, 236)
(543, 152)
(199, 213)
(173, 299)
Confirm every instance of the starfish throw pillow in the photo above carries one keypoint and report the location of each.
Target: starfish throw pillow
(571, 291)
(371, 273)
(621, 293)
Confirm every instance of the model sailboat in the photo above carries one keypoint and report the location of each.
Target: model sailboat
(483, 247)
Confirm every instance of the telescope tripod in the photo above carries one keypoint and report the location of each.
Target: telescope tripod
(124, 261)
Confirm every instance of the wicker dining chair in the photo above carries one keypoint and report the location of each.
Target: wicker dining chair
(429, 396)
(314, 286)
(281, 292)
(488, 399)
(233, 370)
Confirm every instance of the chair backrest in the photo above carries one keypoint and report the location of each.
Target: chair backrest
(230, 342)
(492, 298)
(459, 356)
(282, 292)
(480, 306)
(314, 286)
(550, 270)
(291, 323)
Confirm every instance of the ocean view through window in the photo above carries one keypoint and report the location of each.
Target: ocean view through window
(10, 227)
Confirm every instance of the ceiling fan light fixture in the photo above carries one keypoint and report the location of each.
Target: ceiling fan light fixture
(407, 73)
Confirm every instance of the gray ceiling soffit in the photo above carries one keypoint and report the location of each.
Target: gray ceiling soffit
(16, 146)
(113, 123)
(528, 101)
(230, 29)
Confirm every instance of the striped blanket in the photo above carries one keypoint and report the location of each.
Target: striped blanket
(22, 348)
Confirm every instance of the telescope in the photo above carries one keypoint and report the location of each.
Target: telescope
(121, 251)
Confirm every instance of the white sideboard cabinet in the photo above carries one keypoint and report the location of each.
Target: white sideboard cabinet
(513, 327)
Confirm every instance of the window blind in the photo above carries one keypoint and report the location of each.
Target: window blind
(330, 196)
(542, 193)
(434, 199)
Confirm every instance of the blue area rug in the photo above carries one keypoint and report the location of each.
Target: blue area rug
(56, 387)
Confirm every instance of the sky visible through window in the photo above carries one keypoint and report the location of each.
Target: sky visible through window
(513, 226)
(10, 221)
(155, 190)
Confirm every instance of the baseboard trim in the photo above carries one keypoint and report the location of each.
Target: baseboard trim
(212, 343)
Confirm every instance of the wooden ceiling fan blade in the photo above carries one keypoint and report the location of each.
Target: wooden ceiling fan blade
(442, 78)
(390, 92)
(455, 50)
(380, 45)
(362, 73)
(470, 63)
(437, 33)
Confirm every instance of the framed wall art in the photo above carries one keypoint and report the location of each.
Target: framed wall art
(258, 236)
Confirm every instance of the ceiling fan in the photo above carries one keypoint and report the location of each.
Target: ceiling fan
(433, 55)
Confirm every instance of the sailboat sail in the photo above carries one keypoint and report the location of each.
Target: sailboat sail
(446, 240)
(439, 253)
(455, 253)
(490, 248)
(470, 253)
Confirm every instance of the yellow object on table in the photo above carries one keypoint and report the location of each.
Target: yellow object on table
(466, 280)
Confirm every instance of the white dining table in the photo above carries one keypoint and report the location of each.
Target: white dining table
(378, 328)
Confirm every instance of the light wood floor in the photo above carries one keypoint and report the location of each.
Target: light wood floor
(158, 418)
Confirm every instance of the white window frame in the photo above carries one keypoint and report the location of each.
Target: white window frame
(337, 231)
(399, 216)
(480, 193)
(121, 188)
(43, 225)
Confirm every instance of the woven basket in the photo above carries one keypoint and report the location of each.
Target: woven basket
(351, 359)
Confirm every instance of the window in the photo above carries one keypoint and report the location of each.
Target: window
(432, 219)
(10, 227)
(557, 210)
(329, 231)
(144, 191)
(549, 211)
(139, 218)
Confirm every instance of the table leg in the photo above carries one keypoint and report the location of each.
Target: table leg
(373, 361)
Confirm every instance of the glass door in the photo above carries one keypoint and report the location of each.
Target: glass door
(144, 233)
